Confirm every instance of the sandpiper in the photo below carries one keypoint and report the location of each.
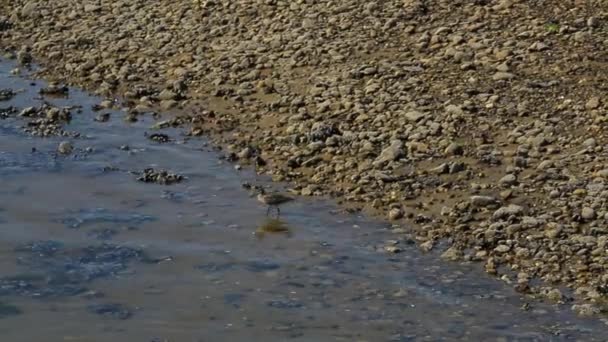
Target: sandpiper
(273, 200)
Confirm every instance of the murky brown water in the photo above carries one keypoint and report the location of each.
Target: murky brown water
(94, 255)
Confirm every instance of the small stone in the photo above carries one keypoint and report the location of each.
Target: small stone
(103, 117)
(510, 210)
(490, 266)
(483, 201)
(590, 143)
(414, 116)
(588, 214)
(593, 103)
(307, 191)
(245, 153)
(457, 167)
(452, 254)
(555, 295)
(427, 246)
(602, 173)
(454, 149)
(506, 194)
(502, 249)
(500, 76)
(24, 57)
(441, 169)
(508, 180)
(592, 22)
(168, 104)
(88, 8)
(545, 164)
(65, 147)
(391, 153)
(54, 89)
(29, 9)
(392, 249)
(167, 95)
(395, 214)
(585, 310)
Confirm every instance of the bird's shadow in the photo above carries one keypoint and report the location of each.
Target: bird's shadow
(273, 226)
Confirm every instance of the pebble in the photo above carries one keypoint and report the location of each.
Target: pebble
(391, 153)
(65, 147)
(454, 149)
(593, 103)
(452, 254)
(395, 214)
(103, 117)
(500, 76)
(483, 201)
(508, 180)
(414, 116)
(587, 213)
(245, 153)
(510, 210)
(586, 310)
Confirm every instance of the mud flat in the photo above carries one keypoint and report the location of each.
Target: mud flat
(477, 123)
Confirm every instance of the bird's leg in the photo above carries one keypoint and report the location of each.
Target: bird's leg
(278, 211)
(268, 211)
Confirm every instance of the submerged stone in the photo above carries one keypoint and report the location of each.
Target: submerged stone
(7, 310)
(111, 310)
(261, 266)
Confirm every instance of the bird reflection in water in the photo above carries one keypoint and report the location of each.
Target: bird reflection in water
(273, 226)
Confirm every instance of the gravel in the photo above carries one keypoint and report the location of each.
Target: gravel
(398, 104)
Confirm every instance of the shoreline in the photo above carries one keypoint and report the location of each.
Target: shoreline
(464, 132)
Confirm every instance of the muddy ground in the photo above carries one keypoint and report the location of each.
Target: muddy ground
(478, 123)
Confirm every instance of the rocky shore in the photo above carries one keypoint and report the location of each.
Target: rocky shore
(477, 123)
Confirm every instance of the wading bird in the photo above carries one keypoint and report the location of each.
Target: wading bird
(273, 200)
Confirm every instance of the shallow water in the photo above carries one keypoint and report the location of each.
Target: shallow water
(88, 253)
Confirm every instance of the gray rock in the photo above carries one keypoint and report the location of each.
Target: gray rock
(508, 180)
(545, 164)
(602, 173)
(483, 201)
(593, 103)
(454, 149)
(168, 104)
(588, 213)
(391, 153)
(501, 76)
(590, 143)
(395, 214)
(65, 147)
(586, 310)
(29, 9)
(414, 116)
(245, 153)
(167, 95)
(452, 254)
(502, 249)
(510, 210)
